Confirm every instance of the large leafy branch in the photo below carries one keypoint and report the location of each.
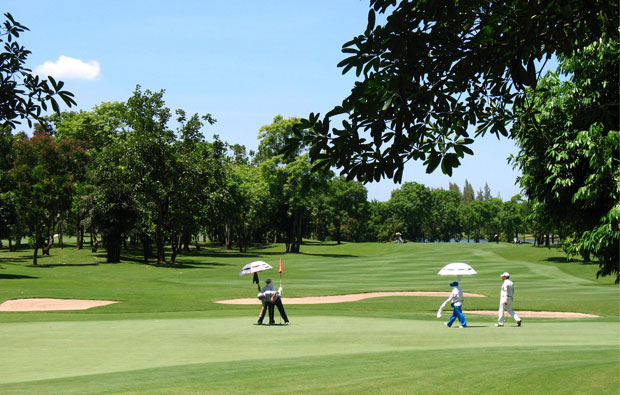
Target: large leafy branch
(436, 70)
(24, 96)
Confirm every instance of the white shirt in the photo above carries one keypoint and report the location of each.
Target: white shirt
(270, 295)
(508, 291)
(456, 297)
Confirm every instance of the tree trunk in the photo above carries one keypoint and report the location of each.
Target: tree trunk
(187, 238)
(147, 248)
(94, 243)
(78, 229)
(159, 234)
(48, 246)
(60, 241)
(114, 241)
(176, 244)
(337, 225)
(228, 236)
(296, 233)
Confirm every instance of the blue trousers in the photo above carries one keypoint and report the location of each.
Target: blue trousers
(266, 306)
(457, 312)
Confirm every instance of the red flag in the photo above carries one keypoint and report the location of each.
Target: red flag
(281, 268)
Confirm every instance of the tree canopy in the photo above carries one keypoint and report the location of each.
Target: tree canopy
(435, 69)
(24, 96)
(567, 130)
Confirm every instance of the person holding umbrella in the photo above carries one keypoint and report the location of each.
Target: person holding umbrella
(456, 301)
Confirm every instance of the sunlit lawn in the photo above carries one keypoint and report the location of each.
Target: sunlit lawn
(167, 336)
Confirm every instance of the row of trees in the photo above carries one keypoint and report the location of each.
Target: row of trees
(434, 76)
(120, 172)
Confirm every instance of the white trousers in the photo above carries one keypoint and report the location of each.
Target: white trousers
(510, 311)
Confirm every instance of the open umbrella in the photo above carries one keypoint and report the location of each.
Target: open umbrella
(457, 269)
(254, 267)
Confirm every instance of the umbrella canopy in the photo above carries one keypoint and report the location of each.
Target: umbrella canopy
(457, 269)
(254, 267)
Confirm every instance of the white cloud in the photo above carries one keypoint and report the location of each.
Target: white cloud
(69, 68)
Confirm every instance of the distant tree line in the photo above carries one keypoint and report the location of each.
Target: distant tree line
(121, 174)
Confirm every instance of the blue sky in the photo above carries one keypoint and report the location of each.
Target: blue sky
(243, 61)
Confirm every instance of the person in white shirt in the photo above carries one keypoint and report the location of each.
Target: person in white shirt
(505, 301)
(275, 299)
(270, 298)
(456, 301)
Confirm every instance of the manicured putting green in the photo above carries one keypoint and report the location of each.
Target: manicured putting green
(36, 351)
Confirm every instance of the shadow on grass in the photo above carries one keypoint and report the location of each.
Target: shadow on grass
(193, 265)
(52, 265)
(329, 255)
(557, 259)
(321, 243)
(17, 259)
(15, 277)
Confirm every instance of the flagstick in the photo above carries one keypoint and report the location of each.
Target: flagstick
(280, 287)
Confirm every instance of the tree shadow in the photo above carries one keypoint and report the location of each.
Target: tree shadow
(17, 259)
(197, 265)
(557, 259)
(321, 243)
(52, 265)
(330, 255)
(15, 277)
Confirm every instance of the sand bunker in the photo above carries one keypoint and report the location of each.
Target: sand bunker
(51, 304)
(535, 314)
(345, 298)
(358, 297)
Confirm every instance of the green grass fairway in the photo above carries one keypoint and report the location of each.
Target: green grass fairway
(167, 336)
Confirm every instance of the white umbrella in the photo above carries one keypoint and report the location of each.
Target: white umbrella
(457, 269)
(254, 267)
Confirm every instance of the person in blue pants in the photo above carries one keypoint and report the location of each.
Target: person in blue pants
(456, 301)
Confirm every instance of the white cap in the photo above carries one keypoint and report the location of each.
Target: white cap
(505, 274)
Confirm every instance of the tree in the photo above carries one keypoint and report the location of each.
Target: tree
(24, 96)
(569, 154)
(189, 168)
(468, 193)
(102, 127)
(295, 187)
(114, 210)
(8, 210)
(290, 179)
(150, 156)
(454, 187)
(43, 174)
(435, 69)
(512, 217)
(444, 220)
(477, 217)
(272, 138)
(411, 205)
(486, 194)
(346, 203)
